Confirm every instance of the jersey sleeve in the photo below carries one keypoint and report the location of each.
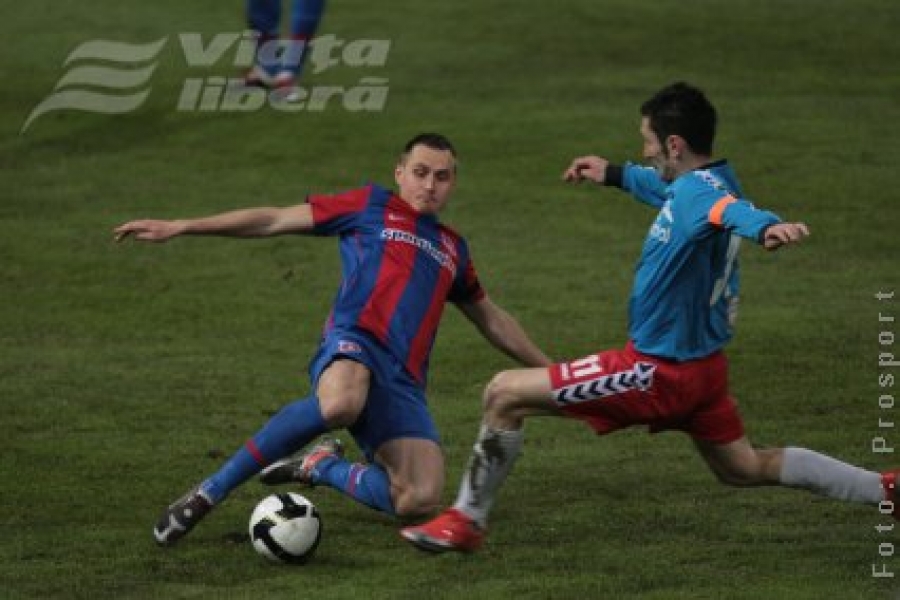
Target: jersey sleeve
(644, 183)
(741, 217)
(335, 214)
(721, 210)
(466, 287)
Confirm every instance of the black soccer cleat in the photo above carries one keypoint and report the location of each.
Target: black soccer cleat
(181, 516)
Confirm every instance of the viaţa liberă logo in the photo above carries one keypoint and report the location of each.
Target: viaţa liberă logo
(104, 77)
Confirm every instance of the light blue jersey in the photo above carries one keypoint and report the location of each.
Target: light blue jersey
(686, 282)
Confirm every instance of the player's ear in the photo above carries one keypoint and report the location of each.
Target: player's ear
(676, 146)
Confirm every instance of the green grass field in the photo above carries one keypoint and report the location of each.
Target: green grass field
(128, 372)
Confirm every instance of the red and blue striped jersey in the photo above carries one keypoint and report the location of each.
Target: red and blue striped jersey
(399, 268)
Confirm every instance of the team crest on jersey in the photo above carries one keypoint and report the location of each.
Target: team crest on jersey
(640, 377)
(348, 347)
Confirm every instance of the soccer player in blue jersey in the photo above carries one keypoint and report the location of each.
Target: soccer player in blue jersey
(278, 62)
(400, 267)
(672, 374)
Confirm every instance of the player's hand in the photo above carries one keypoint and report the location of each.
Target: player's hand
(586, 167)
(149, 230)
(780, 234)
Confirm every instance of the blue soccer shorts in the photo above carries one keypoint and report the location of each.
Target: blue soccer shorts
(396, 406)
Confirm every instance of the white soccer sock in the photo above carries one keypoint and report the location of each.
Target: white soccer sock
(802, 468)
(492, 458)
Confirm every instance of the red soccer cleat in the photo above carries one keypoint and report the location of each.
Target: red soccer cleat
(891, 493)
(450, 530)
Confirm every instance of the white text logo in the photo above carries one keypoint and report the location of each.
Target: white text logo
(114, 78)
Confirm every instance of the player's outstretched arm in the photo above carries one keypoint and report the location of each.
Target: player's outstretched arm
(586, 167)
(250, 222)
(504, 333)
(781, 234)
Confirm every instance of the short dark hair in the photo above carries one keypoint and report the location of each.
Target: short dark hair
(683, 110)
(435, 141)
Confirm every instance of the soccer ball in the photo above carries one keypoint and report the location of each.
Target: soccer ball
(285, 528)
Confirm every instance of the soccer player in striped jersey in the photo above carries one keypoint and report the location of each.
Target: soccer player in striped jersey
(400, 267)
(672, 374)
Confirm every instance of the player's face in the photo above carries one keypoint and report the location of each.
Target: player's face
(425, 178)
(655, 153)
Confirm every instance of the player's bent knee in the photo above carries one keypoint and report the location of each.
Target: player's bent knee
(500, 392)
(339, 413)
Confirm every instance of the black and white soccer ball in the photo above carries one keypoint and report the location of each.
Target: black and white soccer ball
(286, 528)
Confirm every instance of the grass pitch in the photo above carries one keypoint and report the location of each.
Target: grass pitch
(129, 372)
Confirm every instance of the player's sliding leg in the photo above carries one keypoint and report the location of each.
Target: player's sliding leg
(366, 483)
(289, 430)
(463, 526)
(509, 398)
(264, 19)
(821, 474)
(293, 427)
(739, 463)
(405, 477)
(387, 413)
(323, 464)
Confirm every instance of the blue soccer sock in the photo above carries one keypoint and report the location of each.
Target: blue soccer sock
(367, 484)
(305, 17)
(264, 17)
(289, 430)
